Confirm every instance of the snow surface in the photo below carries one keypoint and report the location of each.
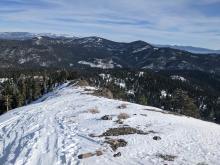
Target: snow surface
(176, 77)
(101, 63)
(141, 49)
(2, 80)
(163, 94)
(55, 130)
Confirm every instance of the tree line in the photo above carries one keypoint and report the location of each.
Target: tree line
(192, 98)
(199, 99)
(20, 88)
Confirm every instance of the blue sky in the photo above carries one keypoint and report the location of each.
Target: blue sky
(181, 22)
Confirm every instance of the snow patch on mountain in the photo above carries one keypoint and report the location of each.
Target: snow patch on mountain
(149, 66)
(24, 60)
(176, 77)
(106, 77)
(101, 63)
(141, 49)
(2, 80)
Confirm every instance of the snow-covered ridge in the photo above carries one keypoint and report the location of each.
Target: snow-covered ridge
(66, 123)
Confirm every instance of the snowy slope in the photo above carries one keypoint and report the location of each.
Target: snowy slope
(56, 130)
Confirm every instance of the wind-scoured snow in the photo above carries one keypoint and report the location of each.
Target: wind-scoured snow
(55, 130)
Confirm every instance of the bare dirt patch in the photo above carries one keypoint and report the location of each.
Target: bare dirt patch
(123, 131)
(116, 143)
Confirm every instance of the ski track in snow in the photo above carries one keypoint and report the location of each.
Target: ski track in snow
(54, 131)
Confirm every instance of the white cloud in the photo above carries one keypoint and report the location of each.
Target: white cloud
(164, 22)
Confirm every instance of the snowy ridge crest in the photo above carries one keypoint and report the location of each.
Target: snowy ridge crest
(68, 126)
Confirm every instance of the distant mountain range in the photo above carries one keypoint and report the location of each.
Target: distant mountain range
(27, 35)
(32, 51)
(192, 49)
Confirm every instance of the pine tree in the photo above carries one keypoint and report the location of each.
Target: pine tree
(7, 102)
(36, 90)
(20, 100)
(183, 104)
(45, 79)
(143, 100)
(7, 96)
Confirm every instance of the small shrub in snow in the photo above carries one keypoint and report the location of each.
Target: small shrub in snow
(123, 116)
(104, 93)
(99, 153)
(82, 83)
(93, 110)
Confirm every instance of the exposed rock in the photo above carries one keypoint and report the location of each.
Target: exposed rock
(86, 155)
(166, 157)
(90, 154)
(106, 117)
(122, 131)
(117, 155)
(119, 121)
(116, 143)
(157, 138)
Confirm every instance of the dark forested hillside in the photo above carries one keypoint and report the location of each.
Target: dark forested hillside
(173, 91)
(21, 87)
(95, 52)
